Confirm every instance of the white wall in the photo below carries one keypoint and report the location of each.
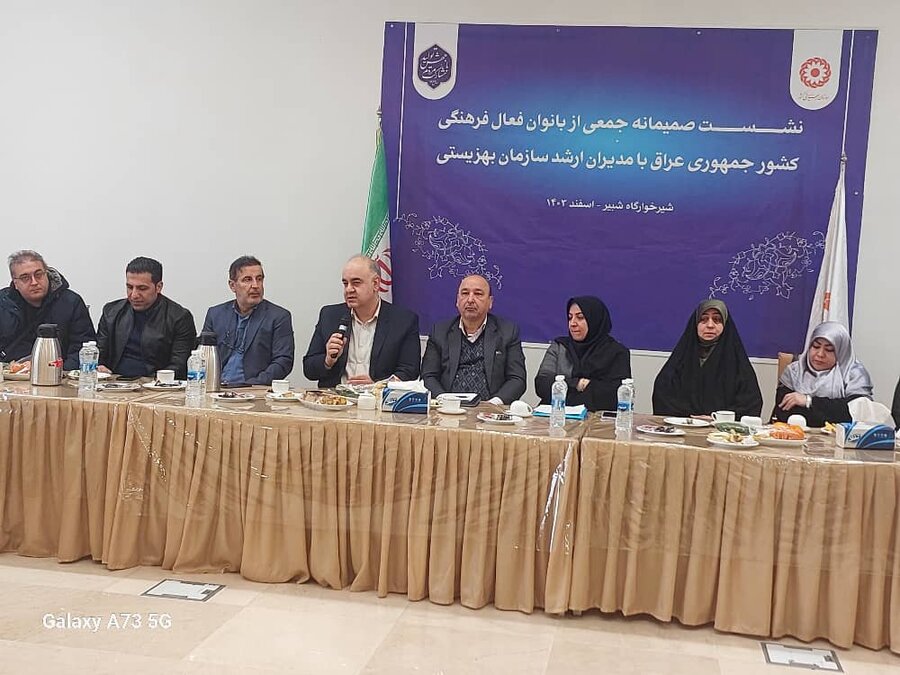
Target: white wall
(196, 131)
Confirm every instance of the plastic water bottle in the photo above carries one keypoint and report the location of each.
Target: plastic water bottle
(88, 357)
(625, 407)
(195, 377)
(202, 374)
(558, 403)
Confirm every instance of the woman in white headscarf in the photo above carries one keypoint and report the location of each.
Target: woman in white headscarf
(825, 378)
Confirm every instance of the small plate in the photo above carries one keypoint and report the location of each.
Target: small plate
(289, 397)
(238, 397)
(330, 407)
(654, 430)
(765, 439)
(503, 419)
(75, 374)
(458, 411)
(174, 386)
(16, 377)
(119, 386)
(748, 442)
(687, 422)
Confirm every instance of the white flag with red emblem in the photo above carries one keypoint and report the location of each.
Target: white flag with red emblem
(831, 302)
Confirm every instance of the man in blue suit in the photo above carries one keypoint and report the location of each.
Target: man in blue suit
(255, 337)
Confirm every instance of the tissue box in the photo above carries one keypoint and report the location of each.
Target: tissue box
(864, 435)
(405, 401)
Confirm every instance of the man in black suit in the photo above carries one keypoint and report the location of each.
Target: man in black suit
(475, 351)
(364, 339)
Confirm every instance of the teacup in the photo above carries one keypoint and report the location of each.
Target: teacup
(280, 387)
(450, 405)
(165, 376)
(754, 423)
(366, 402)
(520, 408)
(723, 415)
(798, 420)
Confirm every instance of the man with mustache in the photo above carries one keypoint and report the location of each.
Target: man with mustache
(255, 337)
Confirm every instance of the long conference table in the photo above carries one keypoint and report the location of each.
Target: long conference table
(768, 542)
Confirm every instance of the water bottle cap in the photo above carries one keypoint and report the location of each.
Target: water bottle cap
(560, 378)
(628, 380)
(195, 352)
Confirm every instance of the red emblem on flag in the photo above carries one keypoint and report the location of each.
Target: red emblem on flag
(815, 72)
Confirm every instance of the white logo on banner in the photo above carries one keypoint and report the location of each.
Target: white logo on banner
(769, 266)
(451, 250)
(816, 67)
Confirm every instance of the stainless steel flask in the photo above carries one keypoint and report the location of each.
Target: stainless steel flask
(46, 357)
(210, 352)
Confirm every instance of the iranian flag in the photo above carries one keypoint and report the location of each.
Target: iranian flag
(377, 231)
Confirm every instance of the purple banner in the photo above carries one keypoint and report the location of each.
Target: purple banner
(653, 167)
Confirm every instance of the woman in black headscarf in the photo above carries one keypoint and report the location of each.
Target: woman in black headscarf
(592, 361)
(708, 370)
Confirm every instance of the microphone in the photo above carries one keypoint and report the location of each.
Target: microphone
(344, 326)
(344, 329)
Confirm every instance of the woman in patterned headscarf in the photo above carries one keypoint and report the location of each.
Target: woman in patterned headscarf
(592, 361)
(708, 370)
(825, 378)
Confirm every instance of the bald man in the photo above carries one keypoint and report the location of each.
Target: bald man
(379, 340)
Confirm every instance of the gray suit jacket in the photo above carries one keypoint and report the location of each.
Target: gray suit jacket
(504, 361)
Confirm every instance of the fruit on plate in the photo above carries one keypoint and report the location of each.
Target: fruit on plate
(787, 432)
(19, 366)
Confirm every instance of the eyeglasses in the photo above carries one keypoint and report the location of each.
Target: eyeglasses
(26, 278)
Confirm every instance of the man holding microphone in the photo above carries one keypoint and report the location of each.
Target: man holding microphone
(364, 339)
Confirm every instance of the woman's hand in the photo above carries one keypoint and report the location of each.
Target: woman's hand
(793, 400)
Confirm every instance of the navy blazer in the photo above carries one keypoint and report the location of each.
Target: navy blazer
(395, 348)
(268, 341)
(504, 360)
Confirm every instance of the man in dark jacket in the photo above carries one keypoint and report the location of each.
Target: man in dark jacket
(363, 339)
(255, 337)
(476, 351)
(40, 294)
(145, 331)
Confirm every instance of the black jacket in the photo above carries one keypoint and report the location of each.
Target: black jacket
(395, 347)
(62, 306)
(166, 343)
(504, 361)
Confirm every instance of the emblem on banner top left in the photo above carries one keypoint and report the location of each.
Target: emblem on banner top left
(435, 66)
(436, 59)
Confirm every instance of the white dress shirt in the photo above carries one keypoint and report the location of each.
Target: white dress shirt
(359, 345)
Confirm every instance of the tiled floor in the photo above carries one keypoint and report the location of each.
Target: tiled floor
(262, 628)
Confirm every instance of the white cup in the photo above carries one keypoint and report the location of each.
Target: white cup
(450, 405)
(165, 376)
(723, 415)
(366, 402)
(281, 386)
(754, 423)
(520, 408)
(798, 420)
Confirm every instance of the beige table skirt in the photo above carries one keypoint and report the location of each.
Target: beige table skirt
(415, 508)
(755, 543)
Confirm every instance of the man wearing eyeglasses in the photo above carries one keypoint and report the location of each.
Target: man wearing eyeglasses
(255, 337)
(39, 294)
(145, 331)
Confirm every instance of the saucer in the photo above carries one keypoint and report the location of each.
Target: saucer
(459, 411)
